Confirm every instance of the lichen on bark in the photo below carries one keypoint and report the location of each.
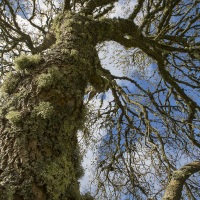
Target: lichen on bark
(43, 110)
(26, 62)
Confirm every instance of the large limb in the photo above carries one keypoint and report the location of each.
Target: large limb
(93, 4)
(128, 34)
(175, 186)
(123, 31)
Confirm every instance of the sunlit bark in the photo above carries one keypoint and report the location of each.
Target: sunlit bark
(174, 188)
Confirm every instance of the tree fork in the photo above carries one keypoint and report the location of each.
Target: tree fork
(42, 108)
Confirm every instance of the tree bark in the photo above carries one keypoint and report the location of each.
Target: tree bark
(41, 111)
(175, 186)
(42, 108)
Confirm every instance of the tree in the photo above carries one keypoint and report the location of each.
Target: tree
(152, 118)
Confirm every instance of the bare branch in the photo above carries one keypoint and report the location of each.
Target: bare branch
(137, 9)
(67, 5)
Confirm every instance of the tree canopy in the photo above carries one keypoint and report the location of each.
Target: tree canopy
(151, 121)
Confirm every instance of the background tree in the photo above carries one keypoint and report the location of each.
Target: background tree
(151, 122)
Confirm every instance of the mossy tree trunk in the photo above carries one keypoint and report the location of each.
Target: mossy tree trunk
(42, 109)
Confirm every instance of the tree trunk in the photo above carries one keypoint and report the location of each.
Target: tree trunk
(42, 109)
(175, 186)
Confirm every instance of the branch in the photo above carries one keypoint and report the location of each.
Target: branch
(123, 31)
(136, 9)
(175, 186)
(93, 4)
(105, 11)
(67, 5)
(49, 40)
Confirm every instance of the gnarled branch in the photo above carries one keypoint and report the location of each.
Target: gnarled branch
(174, 188)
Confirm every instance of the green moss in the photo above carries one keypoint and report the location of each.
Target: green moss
(57, 21)
(10, 193)
(56, 25)
(61, 18)
(69, 126)
(87, 196)
(26, 62)
(59, 176)
(74, 52)
(10, 83)
(44, 110)
(14, 117)
(52, 77)
(64, 51)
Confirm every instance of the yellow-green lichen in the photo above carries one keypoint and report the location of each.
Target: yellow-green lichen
(59, 176)
(10, 83)
(44, 110)
(56, 25)
(50, 78)
(57, 21)
(26, 62)
(74, 52)
(60, 19)
(69, 126)
(14, 117)
(87, 196)
(10, 193)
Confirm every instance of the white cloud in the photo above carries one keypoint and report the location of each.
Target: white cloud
(88, 176)
(25, 25)
(116, 58)
(123, 8)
